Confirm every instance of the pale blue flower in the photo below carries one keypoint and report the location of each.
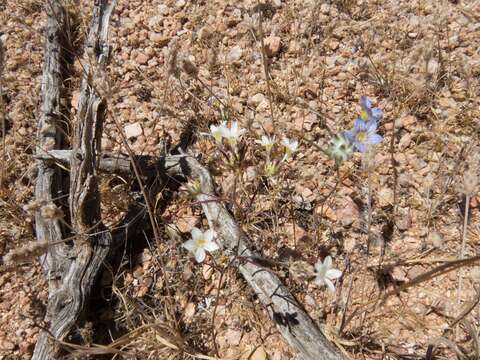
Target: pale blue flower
(363, 134)
(369, 113)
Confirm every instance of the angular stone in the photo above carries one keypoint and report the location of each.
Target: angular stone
(133, 130)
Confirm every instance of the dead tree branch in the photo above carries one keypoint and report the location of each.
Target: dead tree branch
(92, 245)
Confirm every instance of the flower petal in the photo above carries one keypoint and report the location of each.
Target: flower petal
(211, 246)
(374, 139)
(377, 114)
(327, 262)
(190, 245)
(333, 274)
(329, 284)
(200, 255)
(320, 268)
(209, 235)
(196, 233)
(371, 126)
(365, 102)
(359, 125)
(360, 147)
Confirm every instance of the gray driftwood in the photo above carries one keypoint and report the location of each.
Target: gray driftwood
(69, 297)
(121, 164)
(49, 179)
(289, 316)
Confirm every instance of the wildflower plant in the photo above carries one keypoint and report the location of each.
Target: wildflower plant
(233, 134)
(325, 274)
(200, 243)
(218, 131)
(291, 146)
(267, 142)
(228, 139)
(360, 137)
(363, 134)
(276, 153)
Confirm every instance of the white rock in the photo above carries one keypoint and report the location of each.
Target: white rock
(259, 354)
(235, 54)
(256, 99)
(233, 337)
(133, 130)
(433, 66)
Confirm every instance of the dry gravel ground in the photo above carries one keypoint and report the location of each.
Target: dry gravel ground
(418, 60)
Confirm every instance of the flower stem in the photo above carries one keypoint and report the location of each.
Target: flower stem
(462, 255)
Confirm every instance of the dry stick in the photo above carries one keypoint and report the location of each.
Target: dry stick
(67, 303)
(395, 182)
(48, 182)
(120, 164)
(265, 64)
(3, 114)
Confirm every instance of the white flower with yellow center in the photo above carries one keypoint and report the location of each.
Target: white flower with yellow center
(200, 243)
(234, 133)
(218, 132)
(267, 142)
(291, 146)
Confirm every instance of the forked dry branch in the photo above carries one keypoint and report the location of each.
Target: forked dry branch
(73, 270)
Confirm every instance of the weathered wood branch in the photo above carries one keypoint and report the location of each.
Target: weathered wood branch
(92, 243)
(121, 164)
(289, 316)
(49, 179)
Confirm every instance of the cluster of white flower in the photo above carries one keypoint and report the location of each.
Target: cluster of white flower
(203, 242)
(232, 134)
